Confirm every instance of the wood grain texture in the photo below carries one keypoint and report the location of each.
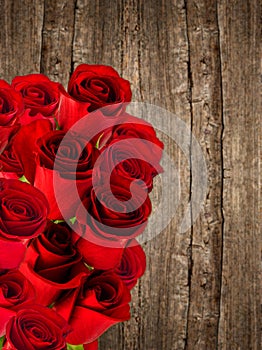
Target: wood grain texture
(207, 126)
(20, 37)
(201, 61)
(240, 318)
(57, 39)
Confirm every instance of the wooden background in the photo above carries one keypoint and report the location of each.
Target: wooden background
(199, 59)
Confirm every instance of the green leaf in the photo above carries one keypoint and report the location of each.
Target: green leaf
(98, 141)
(58, 221)
(90, 268)
(75, 347)
(57, 126)
(73, 220)
(24, 179)
(2, 339)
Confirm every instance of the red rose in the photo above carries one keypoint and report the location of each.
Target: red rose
(73, 162)
(36, 327)
(99, 85)
(52, 264)
(11, 104)
(132, 159)
(100, 256)
(41, 96)
(100, 303)
(11, 108)
(132, 127)
(92, 87)
(24, 210)
(10, 166)
(133, 264)
(24, 145)
(15, 291)
(111, 214)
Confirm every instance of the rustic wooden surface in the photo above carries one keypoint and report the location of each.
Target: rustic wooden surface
(201, 60)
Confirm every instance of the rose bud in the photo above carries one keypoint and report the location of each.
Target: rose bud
(40, 95)
(36, 327)
(23, 216)
(15, 292)
(132, 265)
(101, 302)
(52, 264)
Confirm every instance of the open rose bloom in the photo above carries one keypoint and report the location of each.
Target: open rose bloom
(76, 171)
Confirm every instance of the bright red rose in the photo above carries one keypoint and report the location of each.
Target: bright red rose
(132, 127)
(11, 104)
(36, 327)
(133, 264)
(101, 302)
(10, 166)
(131, 159)
(11, 108)
(70, 163)
(52, 263)
(24, 145)
(23, 215)
(109, 215)
(15, 292)
(40, 95)
(99, 256)
(99, 85)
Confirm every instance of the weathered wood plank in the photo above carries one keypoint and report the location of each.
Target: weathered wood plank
(57, 39)
(171, 50)
(240, 319)
(20, 37)
(207, 128)
(137, 43)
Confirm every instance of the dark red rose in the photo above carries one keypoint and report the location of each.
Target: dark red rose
(23, 215)
(40, 95)
(111, 215)
(90, 88)
(133, 264)
(36, 327)
(10, 166)
(132, 159)
(15, 292)
(52, 264)
(11, 108)
(11, 104)
(99, 85)
(100, 303)
(100, 256)
(73, 163)
(132, 127)
(24, 145)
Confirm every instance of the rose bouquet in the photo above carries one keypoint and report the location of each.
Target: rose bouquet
(75, 173)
